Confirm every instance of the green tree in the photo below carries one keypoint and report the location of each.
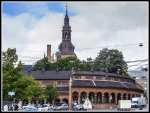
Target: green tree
(67, 63)
(29, 88)
(11, 74)
(15, 81)
(110, 59)
(9, 59)
(63, 64)
(42, 64)
(51, 92)
(127, 74)
(84, 65)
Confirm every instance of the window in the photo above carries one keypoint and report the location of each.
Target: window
(122, 80)
(99, 78)
(88, 77)
(47, 82)
(77, 77)
(116, 79)
(59, 82)
(107, 78)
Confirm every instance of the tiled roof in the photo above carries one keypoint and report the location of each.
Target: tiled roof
(109, 84)
(63, 90)
(53, 75)
(131, 86)
(105, 84)
(67, 74)
(98, 73)
(84, 83)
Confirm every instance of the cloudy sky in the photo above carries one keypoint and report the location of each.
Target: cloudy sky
(30, 26)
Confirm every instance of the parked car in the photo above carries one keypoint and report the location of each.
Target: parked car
(45, 107)
(61, 106)
(25, 106)
(40, 108)
(78, 107)
(30, 109)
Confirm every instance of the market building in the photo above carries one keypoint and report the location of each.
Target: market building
(103, 89)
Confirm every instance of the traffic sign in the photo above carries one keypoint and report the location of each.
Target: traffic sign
(11, 93)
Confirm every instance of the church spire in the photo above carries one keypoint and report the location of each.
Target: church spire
(66, 11)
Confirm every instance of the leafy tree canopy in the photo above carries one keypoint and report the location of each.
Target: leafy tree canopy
(110, 59)
(107, 59)
(51, 92)
(14, 80)
(63, 64)
(42, 64)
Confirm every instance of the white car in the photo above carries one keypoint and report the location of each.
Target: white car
(23, 107)
(45, 107)
(40, 108)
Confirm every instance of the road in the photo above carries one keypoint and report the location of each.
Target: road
(105, 110)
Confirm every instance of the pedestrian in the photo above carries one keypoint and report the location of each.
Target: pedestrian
(75, 103)
(19, 105)
(93, 105)
(6, 107)
(29, 105)
(16, 107)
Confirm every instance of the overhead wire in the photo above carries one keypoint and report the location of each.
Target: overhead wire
(91, 48)
(30, 58)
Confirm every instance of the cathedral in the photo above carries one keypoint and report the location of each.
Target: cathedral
(66, 47)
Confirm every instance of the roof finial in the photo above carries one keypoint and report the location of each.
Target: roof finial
(66, 9)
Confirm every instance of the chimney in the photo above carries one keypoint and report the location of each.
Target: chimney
(49, 52)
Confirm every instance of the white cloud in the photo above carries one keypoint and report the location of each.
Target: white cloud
(94, 25)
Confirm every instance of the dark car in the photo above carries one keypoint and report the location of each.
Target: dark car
(60, 106)
(78, 107)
